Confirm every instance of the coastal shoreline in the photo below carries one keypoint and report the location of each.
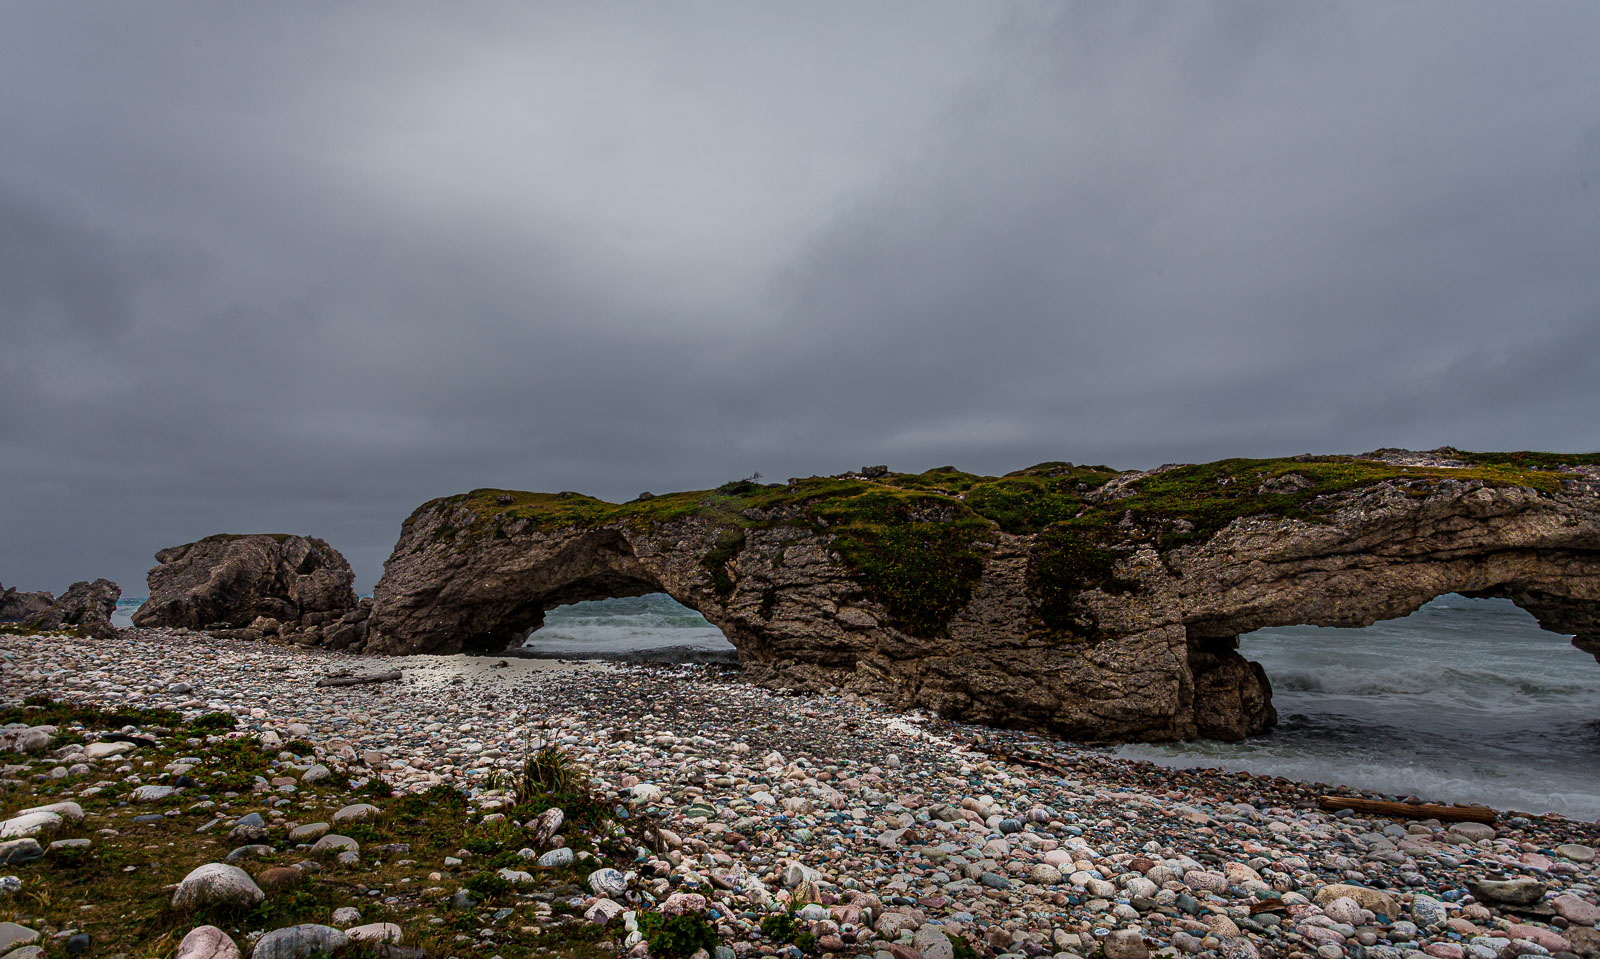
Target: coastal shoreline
(927, 814)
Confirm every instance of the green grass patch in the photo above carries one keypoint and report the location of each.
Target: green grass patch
(42, 710)
(213, 723)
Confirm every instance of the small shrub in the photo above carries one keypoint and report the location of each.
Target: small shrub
(239, 756)
(433, 802)
(550, 770)
(486, 885)
(677, 936)
(213, 722)
(778, 927)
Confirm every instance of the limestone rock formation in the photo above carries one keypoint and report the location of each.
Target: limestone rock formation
(1089, 603)
(16, 606)
(85, 607)
(229, 581)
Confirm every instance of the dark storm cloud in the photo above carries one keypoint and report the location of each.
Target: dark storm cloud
(301, 267)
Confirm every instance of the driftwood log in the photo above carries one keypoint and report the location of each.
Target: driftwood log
(1406, 810)
(389, 676)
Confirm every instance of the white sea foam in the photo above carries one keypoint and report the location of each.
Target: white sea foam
(613, 627)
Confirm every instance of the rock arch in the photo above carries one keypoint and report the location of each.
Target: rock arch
(1150, 652)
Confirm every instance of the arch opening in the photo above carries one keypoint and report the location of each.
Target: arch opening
(1467, 699)
(639, 627)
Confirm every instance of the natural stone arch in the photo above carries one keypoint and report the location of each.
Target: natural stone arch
(493, 611)
(1134, 639)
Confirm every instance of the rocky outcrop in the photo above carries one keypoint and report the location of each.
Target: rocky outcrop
(84, 608)
(265, 584)
(1089, 603)
(16, 606)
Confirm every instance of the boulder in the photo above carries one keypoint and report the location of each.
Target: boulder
(350, 629)
(375, 933)
(230, 580)
(1372, 900)
(17, 606)
(18, 851)
(299, 942)
(26, 739)
(30, 824)
(85, 607)
(207, 942)
(68, 810)
(1508, 892)
(14, 934)
(357, 812)
(216, 884)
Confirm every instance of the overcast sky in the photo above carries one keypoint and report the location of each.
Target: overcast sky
(300, 266)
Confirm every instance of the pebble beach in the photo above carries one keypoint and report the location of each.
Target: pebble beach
(878, 833)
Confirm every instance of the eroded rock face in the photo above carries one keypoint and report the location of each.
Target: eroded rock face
(16, 606)
(228, 581)
(1149, 651)
(85, 607)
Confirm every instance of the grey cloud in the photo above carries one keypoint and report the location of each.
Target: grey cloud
(300, 267)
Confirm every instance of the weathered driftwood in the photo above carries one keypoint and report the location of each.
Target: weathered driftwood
(389, 676)
(1405, 810)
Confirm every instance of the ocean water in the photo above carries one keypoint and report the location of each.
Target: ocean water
(121, 617)
(1465, 700)
(651, 627)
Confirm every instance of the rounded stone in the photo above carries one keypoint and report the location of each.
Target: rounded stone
(217, 884)
(310, 832)
(555, 858)
(375, 933)
(1428, 913)
(608, 883)
(1126, 944)
(357, 812)
(16, 851)
(932, 943)
(280, 877)
(15, 934)
(299, 942)
(30, 824)
(333, 844)
(69, 811)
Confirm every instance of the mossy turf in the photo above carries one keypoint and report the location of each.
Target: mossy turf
(119, 890)
(914, 540)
